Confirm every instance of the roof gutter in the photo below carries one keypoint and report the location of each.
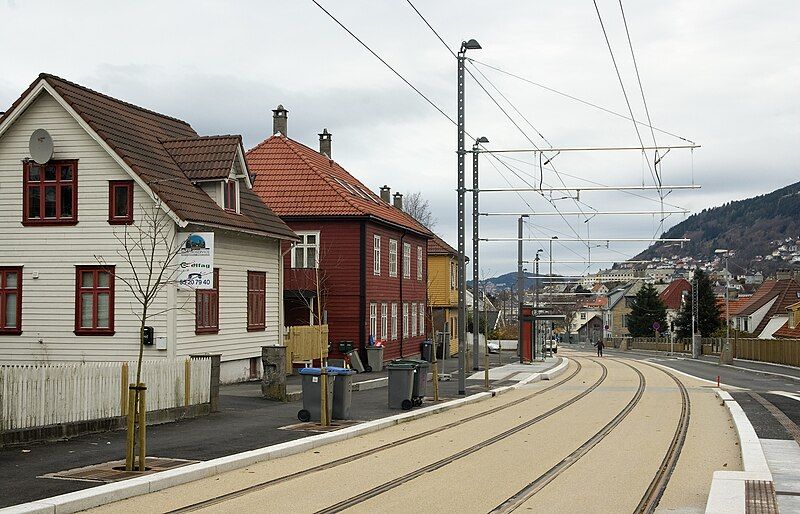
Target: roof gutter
(246, 231)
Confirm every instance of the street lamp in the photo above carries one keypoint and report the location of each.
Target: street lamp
(536, 304)
(462, 268)
(725, 356)
(475, 238)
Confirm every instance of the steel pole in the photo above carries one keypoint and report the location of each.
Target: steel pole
(462, 282)
(475, 316)
(535, 309)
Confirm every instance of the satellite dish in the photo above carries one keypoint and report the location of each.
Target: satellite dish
(41, 146)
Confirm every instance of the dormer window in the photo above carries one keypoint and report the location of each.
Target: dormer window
(230, 195)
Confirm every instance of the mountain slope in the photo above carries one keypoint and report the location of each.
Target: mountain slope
(748, 227)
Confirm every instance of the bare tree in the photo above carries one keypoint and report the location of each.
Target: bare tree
(148, 249)
(420, 209)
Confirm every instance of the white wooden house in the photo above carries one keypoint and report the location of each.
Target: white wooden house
(113, 163)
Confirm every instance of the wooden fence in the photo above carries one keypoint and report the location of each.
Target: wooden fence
(41, 395)
(305, 343)
(775, 351)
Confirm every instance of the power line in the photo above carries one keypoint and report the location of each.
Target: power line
(575, 98)
(624, 93)
(370, 50)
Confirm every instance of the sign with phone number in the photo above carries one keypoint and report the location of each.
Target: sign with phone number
(196, 260)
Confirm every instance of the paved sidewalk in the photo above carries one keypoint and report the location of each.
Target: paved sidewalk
(246, 421)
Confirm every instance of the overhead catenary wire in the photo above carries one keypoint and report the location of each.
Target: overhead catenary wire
(575, 98)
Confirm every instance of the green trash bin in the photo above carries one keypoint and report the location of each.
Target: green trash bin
(401, 384)
(420, 380)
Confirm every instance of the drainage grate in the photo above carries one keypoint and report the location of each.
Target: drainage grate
(759, 497)
(316, 427)
(114, 471)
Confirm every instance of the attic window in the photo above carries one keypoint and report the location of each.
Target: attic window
(50, 193)
(231, 195)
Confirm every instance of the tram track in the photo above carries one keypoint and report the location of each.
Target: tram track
(398, 481)
(360, 455)
(658, 484)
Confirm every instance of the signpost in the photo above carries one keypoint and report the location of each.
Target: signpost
(196, 260)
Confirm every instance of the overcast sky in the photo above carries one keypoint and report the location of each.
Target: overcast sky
(723, 74)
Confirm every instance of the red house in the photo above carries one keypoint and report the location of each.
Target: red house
(368, 255)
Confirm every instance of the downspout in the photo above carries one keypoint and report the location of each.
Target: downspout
(362, 289)
(402, 252)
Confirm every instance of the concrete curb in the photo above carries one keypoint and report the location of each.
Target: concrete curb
(374, 383)
(108, 493)
(727, 494)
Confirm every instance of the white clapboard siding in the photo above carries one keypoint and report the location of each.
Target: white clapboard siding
(49, 394)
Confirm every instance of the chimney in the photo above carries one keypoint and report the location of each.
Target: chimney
(279, 119)
(325, 143)
(386, 193)
(398, 201)
(783, 274)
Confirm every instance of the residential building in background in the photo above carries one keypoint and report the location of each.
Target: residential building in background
(359, 253)
(443, 291)
(67, 223)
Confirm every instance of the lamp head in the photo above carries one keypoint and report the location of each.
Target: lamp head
(482, 139)
(470, 45)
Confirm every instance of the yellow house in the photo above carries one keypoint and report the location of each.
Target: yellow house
(443, 290)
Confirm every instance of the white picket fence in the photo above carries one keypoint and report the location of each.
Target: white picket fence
(39, 395)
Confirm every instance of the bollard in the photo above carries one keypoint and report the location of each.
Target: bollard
(142, 428)
(717, 380)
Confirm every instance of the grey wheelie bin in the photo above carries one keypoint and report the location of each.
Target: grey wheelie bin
(401, 385)
(311, 394)
(420, 379)
(342, 391)
(374, 358)
(355, 361)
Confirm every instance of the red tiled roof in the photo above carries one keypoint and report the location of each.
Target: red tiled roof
(136, 135)
(205, 158)
(438, 246)
(785, 292)
(297, 181)
(673, 294)
(787, 333)
(734, 306)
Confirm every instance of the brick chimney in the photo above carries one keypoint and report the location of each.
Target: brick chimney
(386, 194)
(398, 201)
(325, 143)
(279, 120)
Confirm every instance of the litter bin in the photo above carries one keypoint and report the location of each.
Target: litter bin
(355, 361)
(374, 358)
(311, 394)
(420, 388)
(426, 349)
(342, 391)
(345, 346)
(401, 384)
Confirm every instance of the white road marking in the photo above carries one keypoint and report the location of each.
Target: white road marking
(793, 396)
(722, 384)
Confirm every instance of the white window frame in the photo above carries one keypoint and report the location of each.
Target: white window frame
(373, 320)
(376, 254)
(406, 260)
(413, 319)
(394, 320)
(384, 321)
(392, 257)
(237, 201)
(405, 319)
(422, 319)
(304, 246)
(419, 263)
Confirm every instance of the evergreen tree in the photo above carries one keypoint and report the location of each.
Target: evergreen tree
(709, 318)
(647, 309)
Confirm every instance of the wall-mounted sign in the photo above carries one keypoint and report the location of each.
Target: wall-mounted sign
(196, 260)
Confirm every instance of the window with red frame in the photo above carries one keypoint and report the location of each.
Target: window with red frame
(230, 196)
(256, 300)
(11, 300)
(120, 202)
(206, 308)
(94, 300)
(50, 193)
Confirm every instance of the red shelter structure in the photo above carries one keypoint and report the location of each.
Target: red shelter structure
(368, 255)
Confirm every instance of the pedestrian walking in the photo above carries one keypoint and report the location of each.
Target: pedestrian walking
(599, 345)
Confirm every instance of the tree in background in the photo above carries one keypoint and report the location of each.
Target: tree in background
(709, 318)
(420, 209)
(646, 311)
